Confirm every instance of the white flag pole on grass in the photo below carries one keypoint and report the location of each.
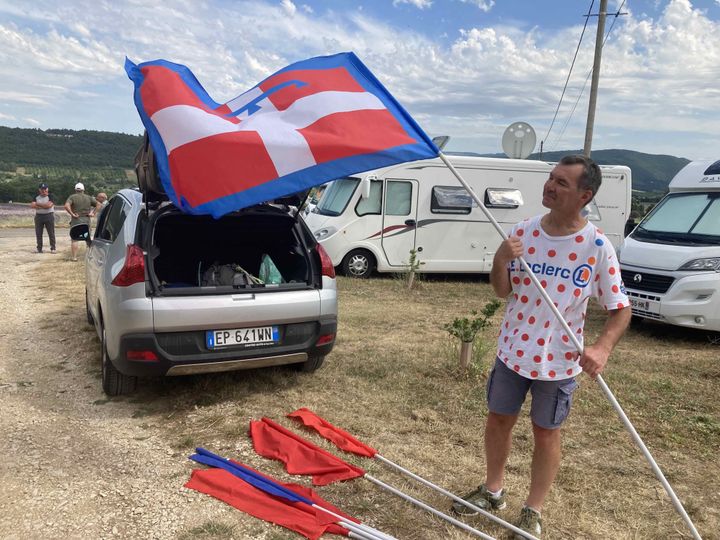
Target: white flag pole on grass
(628, 425)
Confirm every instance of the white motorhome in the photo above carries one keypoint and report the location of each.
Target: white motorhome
(373, 221)
(670, 263)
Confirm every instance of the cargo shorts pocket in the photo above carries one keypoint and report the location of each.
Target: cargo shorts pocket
(564, 402)
(488, 387)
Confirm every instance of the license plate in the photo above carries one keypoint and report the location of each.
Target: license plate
(643, 305)
(648, 306)
(216, 339)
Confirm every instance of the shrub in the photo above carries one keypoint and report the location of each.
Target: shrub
(467, 328)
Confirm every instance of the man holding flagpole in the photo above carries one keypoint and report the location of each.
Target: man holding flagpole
(574, 261)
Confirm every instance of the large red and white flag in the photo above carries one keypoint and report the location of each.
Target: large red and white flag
(311, 122)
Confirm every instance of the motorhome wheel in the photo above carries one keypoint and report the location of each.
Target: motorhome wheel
(358, 263)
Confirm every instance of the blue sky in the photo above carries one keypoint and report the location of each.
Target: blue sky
(464, 68)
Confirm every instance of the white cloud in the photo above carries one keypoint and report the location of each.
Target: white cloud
(32, 122)
(309, 9)
(81, 29)
(289, 7)
(21, 97)
(420, 4)
(658, 74)
(6, 117)
(483, 5)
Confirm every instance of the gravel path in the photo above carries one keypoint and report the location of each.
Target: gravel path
(75, 464)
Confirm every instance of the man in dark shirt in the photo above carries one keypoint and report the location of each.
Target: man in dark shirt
(44, 217)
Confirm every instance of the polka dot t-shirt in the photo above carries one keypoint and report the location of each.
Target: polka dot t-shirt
(571, 269)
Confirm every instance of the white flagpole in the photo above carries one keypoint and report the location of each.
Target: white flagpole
(429, 508)
(454, 497)
(571, 335)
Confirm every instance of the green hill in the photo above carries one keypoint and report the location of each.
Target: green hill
(650, 172)
(66, 148)
(61, 157)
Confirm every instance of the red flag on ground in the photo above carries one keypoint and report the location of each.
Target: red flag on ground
(273, 441)
(334, 434)
(296, 516)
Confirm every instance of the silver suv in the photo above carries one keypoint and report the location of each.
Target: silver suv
(171, 293)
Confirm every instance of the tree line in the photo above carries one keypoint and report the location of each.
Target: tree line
(66, 148)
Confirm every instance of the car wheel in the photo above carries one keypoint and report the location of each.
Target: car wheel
(114, 383)
(312, 364)
(87, 310)
(359, 263)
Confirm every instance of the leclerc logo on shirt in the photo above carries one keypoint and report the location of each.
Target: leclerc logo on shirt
(580, 275)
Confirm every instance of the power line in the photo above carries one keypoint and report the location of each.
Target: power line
(567, 80)
(582, 90)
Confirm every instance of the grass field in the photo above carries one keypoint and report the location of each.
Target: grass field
(393, 381)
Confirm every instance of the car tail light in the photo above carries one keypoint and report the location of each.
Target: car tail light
(133, 271)
(327, 338)
(143, 355)
(327, 266)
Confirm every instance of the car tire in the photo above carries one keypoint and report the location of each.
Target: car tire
(114, 383)
(312, 364)
(359, 263)
(87, 310)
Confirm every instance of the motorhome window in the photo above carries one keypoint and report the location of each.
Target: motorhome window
(336, 196)
(503, 198)
(317, 193)
(686, 216)
(676, 214)
(713, 169)
(398, 200)
(373, 204)
(451, 200)
(591, 211)
(708, 223)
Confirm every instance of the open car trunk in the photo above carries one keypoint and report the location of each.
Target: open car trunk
(261, 249)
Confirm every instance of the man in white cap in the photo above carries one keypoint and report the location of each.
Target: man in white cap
(81, 208)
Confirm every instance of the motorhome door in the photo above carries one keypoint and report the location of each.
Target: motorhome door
(399, 220)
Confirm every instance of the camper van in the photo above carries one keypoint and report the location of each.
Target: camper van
(670, 263)
(374, 220)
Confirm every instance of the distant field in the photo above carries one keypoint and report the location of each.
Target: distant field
(21, 215)
(15, 210)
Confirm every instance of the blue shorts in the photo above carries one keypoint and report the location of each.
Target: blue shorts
(551, 400)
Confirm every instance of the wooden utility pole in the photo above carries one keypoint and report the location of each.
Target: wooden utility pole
(595, 77)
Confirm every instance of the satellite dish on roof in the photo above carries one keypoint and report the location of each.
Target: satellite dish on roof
(441, 140)
(519, 140)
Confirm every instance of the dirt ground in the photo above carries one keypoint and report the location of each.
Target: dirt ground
(74, 466)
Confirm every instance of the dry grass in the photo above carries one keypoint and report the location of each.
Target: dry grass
(392, 380)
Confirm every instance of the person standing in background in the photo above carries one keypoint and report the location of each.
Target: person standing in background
(44, 217)
(102, 200)
(81, 208)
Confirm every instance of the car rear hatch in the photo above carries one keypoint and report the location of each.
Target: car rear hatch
(256, 267)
